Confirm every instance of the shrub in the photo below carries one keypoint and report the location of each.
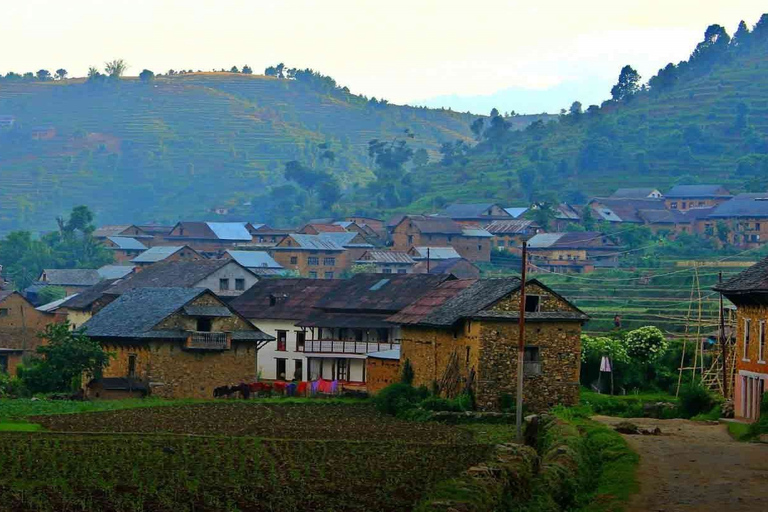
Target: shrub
(407, 374)
(11, 387)
(761, 425)
(398, 398)
(458, 404)
(646, 344)
(695, 399)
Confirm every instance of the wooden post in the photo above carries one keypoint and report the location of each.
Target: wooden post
(521, 349)
(427, 260)
(723, 346)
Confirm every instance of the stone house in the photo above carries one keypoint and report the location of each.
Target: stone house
(388, 262)
(166, 253)
(509, 234)
(464, 334)
(224, 277)
(382, 369)
(746, 217)
(258, 262)
(82, 306)
(470, 241)
(316, 229)
(686, 197)
(178, 342)
(749, 292)
(351, 321)
(276, 306)
(565, 215)
(323, 256)
(20, 323)
(124, 249)
(72, 280)
(264, 236)
(210, 238)
(576, 252)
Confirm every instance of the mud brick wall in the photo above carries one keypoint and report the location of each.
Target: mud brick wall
(380, 373)
(559, 352)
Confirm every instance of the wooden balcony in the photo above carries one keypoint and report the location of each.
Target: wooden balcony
(199, 340)
(348, 347)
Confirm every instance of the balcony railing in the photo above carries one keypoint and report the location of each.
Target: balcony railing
(348, 347)
(199, 340)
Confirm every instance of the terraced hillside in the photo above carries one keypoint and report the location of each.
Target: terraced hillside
(182, 144)
(704, 120)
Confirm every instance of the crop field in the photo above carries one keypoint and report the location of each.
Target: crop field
(230, 456)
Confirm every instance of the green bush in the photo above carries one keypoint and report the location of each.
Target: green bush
(761, 425)
(695, 399)
(398, 398)
(12, 387)
(458, 404)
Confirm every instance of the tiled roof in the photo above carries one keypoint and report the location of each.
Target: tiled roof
(754, 279)
(743, 205)
(177, 274)
(327, 228)
(435, 225)
(71, 276)
(696, 191)
(467, 211)
(386, 257)
(510, 227)
(416, 311)
(565, 211)
(127, 243)
(105, 231)
(87, 297)
(435, 253)
(634, 193)
(254, 259)
(283, 299)
(379, 293)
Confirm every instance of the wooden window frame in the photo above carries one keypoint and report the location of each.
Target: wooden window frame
(746, 339)
(282, 340)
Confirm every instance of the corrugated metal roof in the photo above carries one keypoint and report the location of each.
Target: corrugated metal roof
(127, 243)
(393, 354)
(476, 232)
(158, 253)
(254, 259)
(435, 253)
(543, 240)
(313, 242)
(516, 212)
(509, 227)
(47, 308)
(386, 257)
(230, 231)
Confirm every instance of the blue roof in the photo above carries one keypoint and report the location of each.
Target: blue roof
(124, 242)
(230, 230)
(516, 212)
(254, 259)
(157, 253)
(435, 253)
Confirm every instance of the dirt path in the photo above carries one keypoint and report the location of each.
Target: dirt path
(696, 467)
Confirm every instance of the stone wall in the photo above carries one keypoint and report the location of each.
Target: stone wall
(380, 373)
(559, 352)
(180, 320)
(548, 302)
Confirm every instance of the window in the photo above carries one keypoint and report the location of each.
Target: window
(313, 260)
(301, 337)
(757, 226)
(386, 271)
(329, 275)
(479, 247)
(223, 284)
(761, 343)
(313, 275)
(410, 239)
(280, 369)
(282, 340)
(701, 203)
(341, 369)
(204, 324)
(673, 204)
(131, 366)
(329, 262)
(683, 206)
(240, 284)
(531, 361)
(402, 271)
(532, 303)
(747, 328)
(4, 311)
(501, 243)
(298, 369)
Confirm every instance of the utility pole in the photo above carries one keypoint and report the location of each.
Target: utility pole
(427, 260)
(521, 347)
(723, 346)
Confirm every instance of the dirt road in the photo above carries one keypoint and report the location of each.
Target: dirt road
(696, 467)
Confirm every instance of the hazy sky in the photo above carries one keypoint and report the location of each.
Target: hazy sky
(402, 50)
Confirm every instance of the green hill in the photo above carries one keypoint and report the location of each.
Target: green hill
(181, 145)
(704, 120)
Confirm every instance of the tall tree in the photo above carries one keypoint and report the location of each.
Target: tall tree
(61, 74)
(628, 84)
(43, 75)
(115, 68)
(247, 70)
(146, 76)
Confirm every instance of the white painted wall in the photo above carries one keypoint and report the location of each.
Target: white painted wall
(229, 271)
(269, 354)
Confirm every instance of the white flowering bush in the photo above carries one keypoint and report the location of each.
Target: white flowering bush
(646, 344)
(595, 347)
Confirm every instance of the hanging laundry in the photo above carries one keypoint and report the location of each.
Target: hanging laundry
(605, 364)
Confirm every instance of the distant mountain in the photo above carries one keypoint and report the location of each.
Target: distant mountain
(525, 100)
(704, 120)
(182, 145)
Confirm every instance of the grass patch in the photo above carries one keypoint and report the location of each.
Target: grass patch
(712, 415)
(740, 431)
(19, 427)
(488, 433)
(628, 406)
